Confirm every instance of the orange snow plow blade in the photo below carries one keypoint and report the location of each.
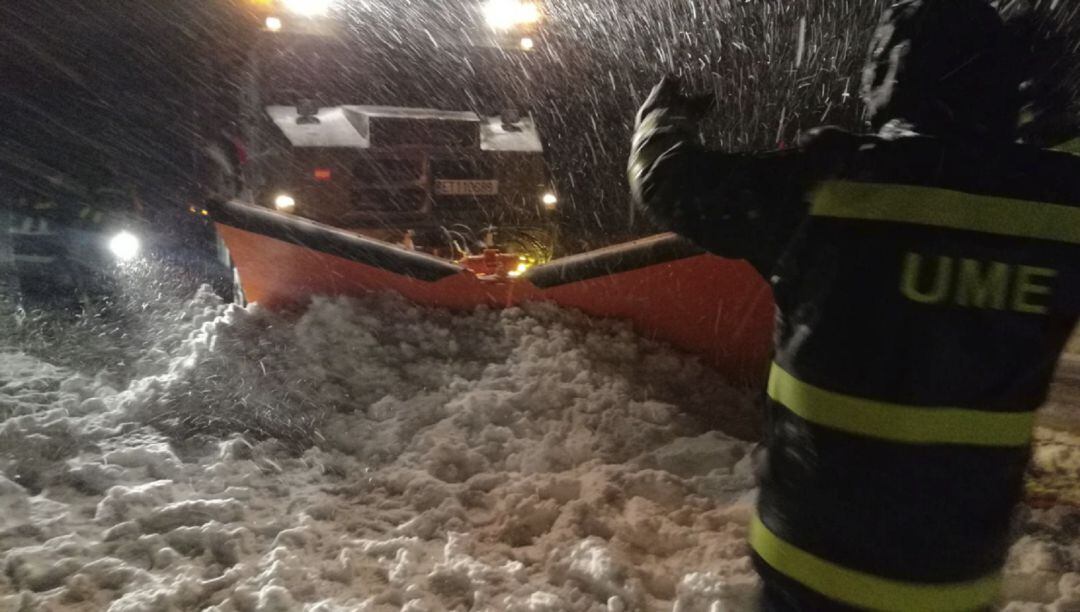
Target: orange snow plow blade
(666, 288)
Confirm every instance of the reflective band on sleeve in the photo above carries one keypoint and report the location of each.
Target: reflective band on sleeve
(1072, 146)
(949, 209)
(898, 422)
(867, 591)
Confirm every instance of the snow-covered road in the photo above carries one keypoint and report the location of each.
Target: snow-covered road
(370, 455)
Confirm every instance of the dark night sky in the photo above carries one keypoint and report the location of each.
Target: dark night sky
(110, 86)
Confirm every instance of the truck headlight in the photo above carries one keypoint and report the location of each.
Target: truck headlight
(285, 202)
(125, 246)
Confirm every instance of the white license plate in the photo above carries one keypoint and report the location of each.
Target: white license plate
(466, 188)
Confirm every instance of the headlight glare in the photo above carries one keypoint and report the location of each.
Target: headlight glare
(125, 246)
(285, 202)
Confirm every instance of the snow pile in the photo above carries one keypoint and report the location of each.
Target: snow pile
(27, 385)
(374, 455)
(1057, 454)
(371, 455)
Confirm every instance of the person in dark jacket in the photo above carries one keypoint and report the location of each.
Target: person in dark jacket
(926, 279)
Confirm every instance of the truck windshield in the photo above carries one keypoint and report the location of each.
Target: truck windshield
(358, 68)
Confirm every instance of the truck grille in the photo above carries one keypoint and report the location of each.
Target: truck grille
(389, 172)
(393, 132)
(463, 169)
(390, 201)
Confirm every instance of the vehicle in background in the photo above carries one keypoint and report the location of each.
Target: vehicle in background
(63, 241)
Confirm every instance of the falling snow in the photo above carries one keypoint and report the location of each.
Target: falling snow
(166, 451)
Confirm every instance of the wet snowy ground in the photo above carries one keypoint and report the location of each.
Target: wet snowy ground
(369, 455)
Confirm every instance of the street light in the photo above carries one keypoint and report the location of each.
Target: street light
(550, 200)
(273, 24)
(527, 44)
(509, 14)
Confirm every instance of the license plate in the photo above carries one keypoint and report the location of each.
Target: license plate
(466, 188)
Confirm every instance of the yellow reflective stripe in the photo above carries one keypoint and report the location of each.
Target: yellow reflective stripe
(1073, 146)
(864, 590)
(949, 209)
(899, 422)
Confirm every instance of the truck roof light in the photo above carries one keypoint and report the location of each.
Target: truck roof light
(509, 14)
(308, 8)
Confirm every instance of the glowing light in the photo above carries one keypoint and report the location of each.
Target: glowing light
(308, 8)
(550, 200)
(273, 24)
(521, 269)
(285, 202)
(125, 246)
(528, 44)
(508, 14)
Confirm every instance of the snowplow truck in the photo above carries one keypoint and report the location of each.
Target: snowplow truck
(349, 184)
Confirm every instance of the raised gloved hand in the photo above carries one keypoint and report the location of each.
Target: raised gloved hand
(666, 130)
(668, 96)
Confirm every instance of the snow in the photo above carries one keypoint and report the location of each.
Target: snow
(524, 137)
(372, 455)
(334, 128)
(348, 127)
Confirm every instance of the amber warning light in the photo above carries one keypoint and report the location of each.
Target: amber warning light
(323, 174)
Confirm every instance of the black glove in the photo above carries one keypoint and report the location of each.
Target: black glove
(668, 96)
